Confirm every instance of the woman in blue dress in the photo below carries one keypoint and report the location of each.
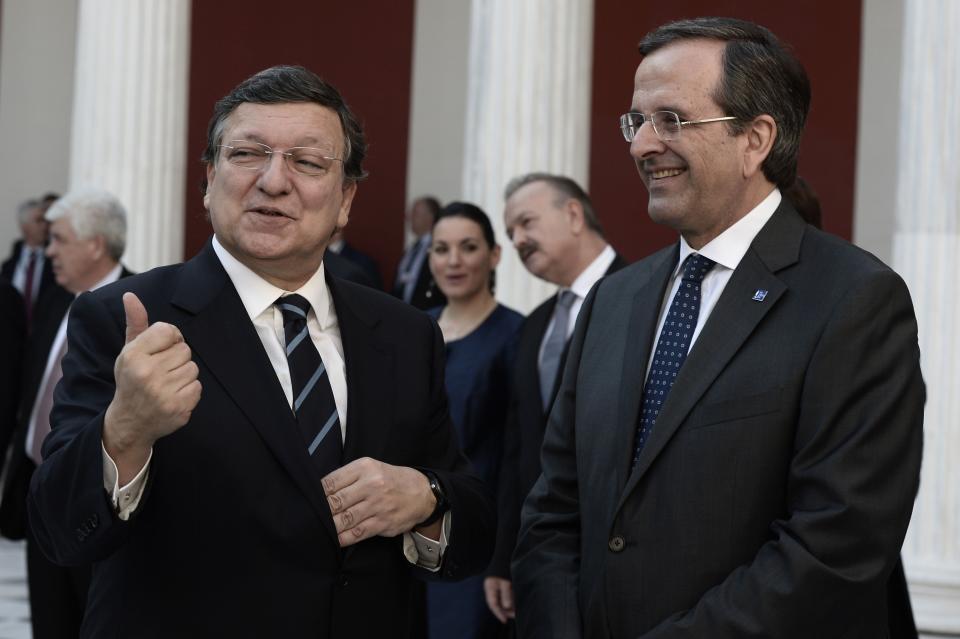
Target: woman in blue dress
(481, 338)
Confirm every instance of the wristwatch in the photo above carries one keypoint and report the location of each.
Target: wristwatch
(442, 504)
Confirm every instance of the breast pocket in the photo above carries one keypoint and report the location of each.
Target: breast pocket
(736, 409)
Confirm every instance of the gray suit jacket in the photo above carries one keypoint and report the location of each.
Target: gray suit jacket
(773, 495)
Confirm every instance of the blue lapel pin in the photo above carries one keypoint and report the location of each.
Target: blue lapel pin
(760, 295)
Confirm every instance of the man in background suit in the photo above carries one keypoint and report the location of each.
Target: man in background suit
(13, 332)
(555, 230)
(414, 284)
(366, 264)
(244, 445)
(735, 447)
(27, 267)
(87, 239)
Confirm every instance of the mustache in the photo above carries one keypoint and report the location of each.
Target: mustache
(525, 249)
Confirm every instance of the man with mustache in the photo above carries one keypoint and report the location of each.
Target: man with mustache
(243, 444)
(735, 447)
(557, 234)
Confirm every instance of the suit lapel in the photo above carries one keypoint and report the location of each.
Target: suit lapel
(226, 342)
(731, 323)
(371, 370)
(645, 311)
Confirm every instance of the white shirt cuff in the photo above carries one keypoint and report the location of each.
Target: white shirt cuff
(425, 552)
(125, 499)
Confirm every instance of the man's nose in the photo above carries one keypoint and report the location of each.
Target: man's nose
(517, 239)
(274, 177)
(646, 142)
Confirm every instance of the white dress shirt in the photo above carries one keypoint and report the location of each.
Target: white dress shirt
(258, 297)
(727, 249)
(55, 351)
(19, 280)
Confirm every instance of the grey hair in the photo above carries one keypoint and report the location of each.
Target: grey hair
(565, 189)
(23, 211)
(94, 212)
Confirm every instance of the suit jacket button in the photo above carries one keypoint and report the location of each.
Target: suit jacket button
(616, 543)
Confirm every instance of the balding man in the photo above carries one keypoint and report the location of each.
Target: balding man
(552, 223)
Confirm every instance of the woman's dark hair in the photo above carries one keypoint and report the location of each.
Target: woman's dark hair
(473, 213)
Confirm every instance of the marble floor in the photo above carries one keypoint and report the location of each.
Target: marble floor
(14, 609)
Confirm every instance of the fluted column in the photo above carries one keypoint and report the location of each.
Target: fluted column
(528, 109)
(926, 250)
(130, 117)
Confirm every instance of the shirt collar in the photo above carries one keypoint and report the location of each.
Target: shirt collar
(112, 276)
(728, 248)
(258, 295)
(597, 269)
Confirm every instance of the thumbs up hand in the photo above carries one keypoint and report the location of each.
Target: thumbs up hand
(137, 321)
(156, 389)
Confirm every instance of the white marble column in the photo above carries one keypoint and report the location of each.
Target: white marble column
(926, 250)
(528, 109)
(130, 118)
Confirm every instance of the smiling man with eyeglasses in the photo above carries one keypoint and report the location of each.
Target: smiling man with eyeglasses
(244, 444)
(735, 447)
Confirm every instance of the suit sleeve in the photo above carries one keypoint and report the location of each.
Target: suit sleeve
(851, 483)
(12, 337)
(70, 513)
(546, 562)
(473, 518)
(509, 500)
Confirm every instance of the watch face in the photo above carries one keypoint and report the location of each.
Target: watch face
(442, 504)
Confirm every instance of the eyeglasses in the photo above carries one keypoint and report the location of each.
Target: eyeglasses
(666, 124)
(255, 156)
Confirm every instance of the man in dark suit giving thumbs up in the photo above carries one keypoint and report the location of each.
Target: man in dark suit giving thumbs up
(244, 445)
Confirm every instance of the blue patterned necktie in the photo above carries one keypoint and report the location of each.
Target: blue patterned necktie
(313, 403)
(672, 346)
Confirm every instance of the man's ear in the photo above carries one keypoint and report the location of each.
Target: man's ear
(760, 135)
(574, 210)
(349, 190)
(99, 246)
(211, 173)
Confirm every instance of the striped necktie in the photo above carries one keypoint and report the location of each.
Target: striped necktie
(313, 403)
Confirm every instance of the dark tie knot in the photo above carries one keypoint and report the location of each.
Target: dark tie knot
(696, 267)
(294, 308)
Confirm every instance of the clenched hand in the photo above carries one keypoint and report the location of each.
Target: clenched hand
(156, 389)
